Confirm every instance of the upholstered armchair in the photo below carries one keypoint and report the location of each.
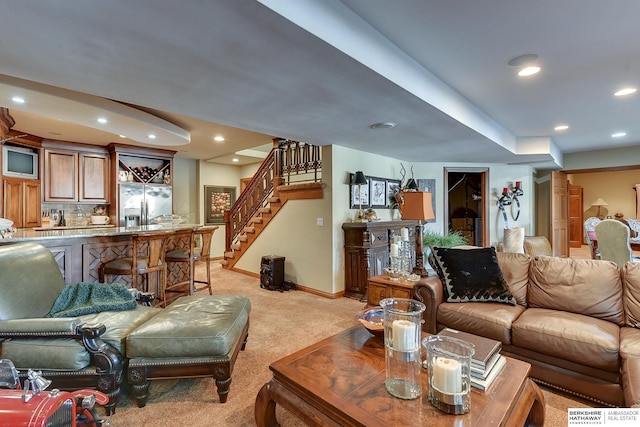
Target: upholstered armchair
(613, 241)
(83, 351)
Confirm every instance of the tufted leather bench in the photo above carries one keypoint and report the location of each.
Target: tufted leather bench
(195, 336)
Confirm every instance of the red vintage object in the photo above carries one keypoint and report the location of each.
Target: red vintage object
(32, 406)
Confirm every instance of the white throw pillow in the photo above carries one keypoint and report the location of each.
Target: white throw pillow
(514, 240)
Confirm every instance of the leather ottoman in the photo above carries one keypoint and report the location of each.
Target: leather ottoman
(195, 336)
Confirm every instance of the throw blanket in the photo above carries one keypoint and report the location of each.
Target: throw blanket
(86, 298)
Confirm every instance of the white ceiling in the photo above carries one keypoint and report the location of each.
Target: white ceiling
(323, 71)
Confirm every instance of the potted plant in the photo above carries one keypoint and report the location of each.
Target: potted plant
(432, 238)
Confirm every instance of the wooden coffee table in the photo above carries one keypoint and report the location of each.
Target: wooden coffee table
(339, 381)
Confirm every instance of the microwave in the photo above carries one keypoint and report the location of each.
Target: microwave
(19, 162)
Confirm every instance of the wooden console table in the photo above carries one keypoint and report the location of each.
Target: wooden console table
(366, 251)
(339, 381)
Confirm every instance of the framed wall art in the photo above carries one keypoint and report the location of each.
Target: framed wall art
(357, 196)
(378, 192)
(216, 201)
(393, 186)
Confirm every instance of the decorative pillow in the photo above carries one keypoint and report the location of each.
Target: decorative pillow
(514, 240)
(471, 275)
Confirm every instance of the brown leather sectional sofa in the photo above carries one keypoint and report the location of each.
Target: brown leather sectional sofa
(577, 322)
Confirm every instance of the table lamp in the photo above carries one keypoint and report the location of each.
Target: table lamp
(360, 180)
(599, 203)
(417, 205)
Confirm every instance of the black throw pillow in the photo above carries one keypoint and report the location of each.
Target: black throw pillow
(471, 275)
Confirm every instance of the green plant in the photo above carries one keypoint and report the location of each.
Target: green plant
(452, 238)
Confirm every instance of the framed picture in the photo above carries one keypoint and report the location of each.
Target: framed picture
(393, 186)
(359, 194)
(216, 201)
(378, 192)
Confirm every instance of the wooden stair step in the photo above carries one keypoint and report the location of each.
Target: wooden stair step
(236, 246)
(243, 238)
(266, 210)
(230, 254)
(250, 230)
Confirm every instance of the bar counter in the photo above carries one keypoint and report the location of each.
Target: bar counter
(79, 252)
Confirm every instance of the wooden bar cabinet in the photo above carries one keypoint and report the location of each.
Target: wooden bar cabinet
(366, 251)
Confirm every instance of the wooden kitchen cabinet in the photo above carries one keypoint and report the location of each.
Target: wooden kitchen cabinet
(366, 251)
(60, 176)
(94, 177)
(75, 175)
(22, 202)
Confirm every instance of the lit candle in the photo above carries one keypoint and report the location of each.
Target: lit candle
(394, 250)
(403, 333)
(404, 232)
(447, 375)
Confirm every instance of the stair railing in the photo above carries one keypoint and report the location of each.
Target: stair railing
(289, 162)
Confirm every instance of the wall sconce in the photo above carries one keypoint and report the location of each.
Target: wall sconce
(507, 198)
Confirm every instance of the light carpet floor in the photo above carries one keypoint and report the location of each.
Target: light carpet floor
(281, 323)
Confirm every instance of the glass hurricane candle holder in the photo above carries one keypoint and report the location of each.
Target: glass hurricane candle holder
(448, 364)
(403, 357)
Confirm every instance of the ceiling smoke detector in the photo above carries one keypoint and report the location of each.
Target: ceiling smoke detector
(383, 125)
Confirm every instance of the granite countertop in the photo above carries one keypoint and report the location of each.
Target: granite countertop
(24, 234)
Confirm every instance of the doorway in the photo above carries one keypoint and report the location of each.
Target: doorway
(466, 208)
(576, 220)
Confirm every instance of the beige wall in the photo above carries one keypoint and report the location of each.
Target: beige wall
(315, 255)
(500, 175)
(616, 188)
(184, 184)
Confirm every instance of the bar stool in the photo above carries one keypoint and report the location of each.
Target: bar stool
(147, 256)
(178, 273)
(199, 251)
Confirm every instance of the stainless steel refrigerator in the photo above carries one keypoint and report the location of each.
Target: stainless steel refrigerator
(139, 204)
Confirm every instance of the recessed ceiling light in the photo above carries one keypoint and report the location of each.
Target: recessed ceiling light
(521, 60)
(235, 159)
(122, 136)
(102, 120)
(18, 100)
(529, 71)
(219, 138)
(151, 136)
(618, 134)
(626, 91)
(383, 125)
(561, 127)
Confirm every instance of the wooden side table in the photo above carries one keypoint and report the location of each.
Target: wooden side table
(381, 287)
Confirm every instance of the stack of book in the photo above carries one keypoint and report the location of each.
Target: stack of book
(486, 363)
